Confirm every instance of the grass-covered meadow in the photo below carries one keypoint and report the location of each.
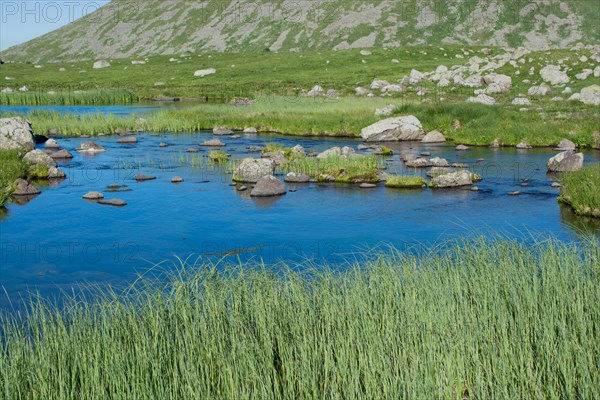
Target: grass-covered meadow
(478, 320)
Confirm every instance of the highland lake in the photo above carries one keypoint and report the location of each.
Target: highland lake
(58, 239)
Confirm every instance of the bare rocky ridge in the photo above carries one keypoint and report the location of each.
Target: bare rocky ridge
(126, 28)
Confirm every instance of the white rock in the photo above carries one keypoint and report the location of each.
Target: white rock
(521, 101)
(394, 129)
(101, 64)
(482, 99)
(416, 76)
(205, 72)
(590, 95)
(553, 75)
(542, 90)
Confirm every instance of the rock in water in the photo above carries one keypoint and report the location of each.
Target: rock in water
(523, 146)
(90, 147)
(268, 186)
(222, 131)
(176, 179)
(394, 129)
(16, 133)
(24, 188)
(213, 143)
(565, 161)
(251, 170)
(142, 177)
(51, 144)
(93, 196)
(434, 137)
(113, 202)
(294, 177)
(39, 157)
(61, 154)
(453, 179)
(56, 173)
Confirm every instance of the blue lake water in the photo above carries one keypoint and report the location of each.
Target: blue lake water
(120, 110)
(58, 240)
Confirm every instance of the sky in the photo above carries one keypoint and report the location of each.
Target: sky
(23, 20)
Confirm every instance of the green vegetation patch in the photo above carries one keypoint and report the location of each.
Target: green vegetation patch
(339, 168)
(405, 181)
(581, 190)
(12, 167)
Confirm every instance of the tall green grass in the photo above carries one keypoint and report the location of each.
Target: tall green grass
(342, 169)
(70, 98)
(12, 167)
(480, 124)
(581, 190)
(482, 320)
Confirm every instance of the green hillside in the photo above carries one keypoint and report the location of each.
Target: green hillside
(125, 28)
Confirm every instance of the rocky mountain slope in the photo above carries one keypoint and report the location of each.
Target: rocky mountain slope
(126, 28)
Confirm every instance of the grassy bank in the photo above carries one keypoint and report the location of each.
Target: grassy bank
(270, 73)
(581, 190)
(479, 124)
(12, 167)
(483, 320)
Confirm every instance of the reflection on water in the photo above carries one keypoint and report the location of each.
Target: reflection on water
(577, 223)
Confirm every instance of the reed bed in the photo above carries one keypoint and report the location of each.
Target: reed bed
(478, 320)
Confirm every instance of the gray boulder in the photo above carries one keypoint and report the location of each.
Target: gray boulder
(385, 111)
(60, 154)
(101, 64)
(268, 186)
(51, 144)
(565, 145)
(250, 131)
(16, 133)
(434, 137)
(24, 188)
(142, 177)
(338, 151)
(39, 157)
(93, 196)
(113, 202)
(590, 95)
(419, 163)
(523, 146)
(251, 170)
(56, 173)
(213, 143)
(565, 161)
(394, 129)
(222, 131)
(452, 179)
(90, 147)
(294, 177)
